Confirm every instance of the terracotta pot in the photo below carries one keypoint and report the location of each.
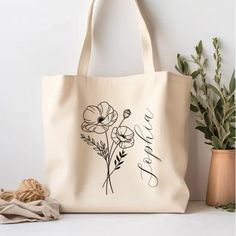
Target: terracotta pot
(221, 181)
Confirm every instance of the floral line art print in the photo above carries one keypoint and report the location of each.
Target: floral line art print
(99, 119)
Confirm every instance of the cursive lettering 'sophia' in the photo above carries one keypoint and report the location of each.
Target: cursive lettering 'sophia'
(146, 135)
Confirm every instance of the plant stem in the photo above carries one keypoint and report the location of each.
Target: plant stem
(108, 180)
(108, 177)
(107, 144)
(121, 122)
(218, 60)
(117, 127)
(108, 166)
(113, 153)
(109, 158)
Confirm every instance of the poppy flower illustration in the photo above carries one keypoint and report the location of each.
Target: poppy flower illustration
(123, 136)
(99, 118)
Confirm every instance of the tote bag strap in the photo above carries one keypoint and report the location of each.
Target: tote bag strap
(145, 39)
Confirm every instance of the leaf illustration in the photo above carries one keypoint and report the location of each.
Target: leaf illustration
(121, 162)
(99, 147)
(119, 159)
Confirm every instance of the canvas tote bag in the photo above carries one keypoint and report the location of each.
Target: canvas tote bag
(117, 144)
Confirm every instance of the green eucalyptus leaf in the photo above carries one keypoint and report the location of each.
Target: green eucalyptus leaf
(229, 109)
(215, 90)
(193, 108)
(218, 116)
(231, 100)
(195, 86)
(214, 42)
(206, 119)
(200, 123)
(195, 74)
(194, 59)
(219, 108)
(177, 68)
(205, 130)
(182, 64)
(232, 83)
(208, 143)
(216, 142)
(231, 119)
(232, 132)
(230, 207)
(224, 134)
(185, 68)
(231, 145)
(179, 61)
(194, 99)
(225, 90)
(199, 48)
(230, 114)
(202, 108)
(214, 55)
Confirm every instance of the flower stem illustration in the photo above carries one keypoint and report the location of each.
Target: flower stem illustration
(99, 119)
(108, 169)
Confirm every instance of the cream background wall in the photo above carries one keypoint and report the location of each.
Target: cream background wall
(45, 37)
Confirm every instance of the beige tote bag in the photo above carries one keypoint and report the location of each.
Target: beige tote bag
(117, 144)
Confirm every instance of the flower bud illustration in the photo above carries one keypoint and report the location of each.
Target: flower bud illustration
(126, 113)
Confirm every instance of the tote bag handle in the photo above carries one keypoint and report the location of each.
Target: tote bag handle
(145, 39)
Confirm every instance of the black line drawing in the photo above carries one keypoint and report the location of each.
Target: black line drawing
(99, 119)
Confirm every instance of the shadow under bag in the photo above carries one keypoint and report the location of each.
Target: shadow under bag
(117, 144)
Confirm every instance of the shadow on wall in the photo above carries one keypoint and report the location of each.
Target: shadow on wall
(192, 170)
(198, 164)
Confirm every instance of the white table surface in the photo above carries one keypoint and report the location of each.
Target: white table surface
(199, 220)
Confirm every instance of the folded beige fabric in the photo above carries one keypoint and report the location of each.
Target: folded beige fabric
(15, 211)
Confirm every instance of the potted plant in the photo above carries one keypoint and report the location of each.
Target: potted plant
(214, 106)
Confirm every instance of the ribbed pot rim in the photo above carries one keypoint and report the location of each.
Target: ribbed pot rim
(223, 151)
